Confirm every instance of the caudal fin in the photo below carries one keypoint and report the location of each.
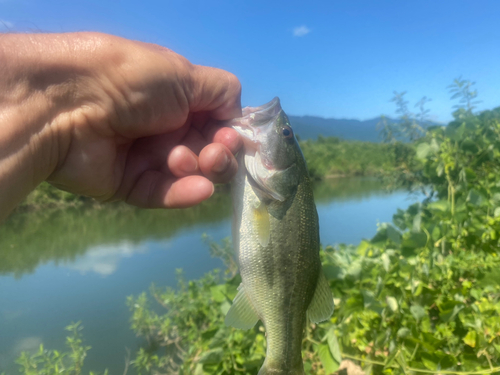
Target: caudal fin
(269, 370)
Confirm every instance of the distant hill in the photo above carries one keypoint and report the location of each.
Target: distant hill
(309, 127)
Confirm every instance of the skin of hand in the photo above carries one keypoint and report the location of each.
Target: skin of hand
(112, 119)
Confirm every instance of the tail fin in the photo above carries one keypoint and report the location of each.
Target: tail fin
(268, 370)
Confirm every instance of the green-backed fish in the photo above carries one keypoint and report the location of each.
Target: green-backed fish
(276, 238)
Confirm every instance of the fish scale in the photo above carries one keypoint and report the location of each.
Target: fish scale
(276, 235)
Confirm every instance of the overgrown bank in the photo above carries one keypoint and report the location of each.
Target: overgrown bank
(332, 157)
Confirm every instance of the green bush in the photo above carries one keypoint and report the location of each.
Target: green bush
(331, 156)
(54, 362)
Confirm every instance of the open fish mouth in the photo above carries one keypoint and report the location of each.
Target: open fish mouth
(257, 122)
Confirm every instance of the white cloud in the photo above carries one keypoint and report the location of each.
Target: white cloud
(301, 30)
(104, 259)
(6, 24)
(26, 344)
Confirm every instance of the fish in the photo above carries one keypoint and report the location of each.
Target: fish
(276, 239)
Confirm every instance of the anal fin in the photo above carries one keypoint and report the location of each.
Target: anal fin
(242, 314)
(321, 306)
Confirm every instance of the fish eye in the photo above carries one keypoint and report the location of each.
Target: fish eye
(287, 131)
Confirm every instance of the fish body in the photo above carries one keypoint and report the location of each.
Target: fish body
(276, 238)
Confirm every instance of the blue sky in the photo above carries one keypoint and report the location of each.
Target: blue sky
(339, 59)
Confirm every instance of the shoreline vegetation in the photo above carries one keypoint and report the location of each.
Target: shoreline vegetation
(422, 296)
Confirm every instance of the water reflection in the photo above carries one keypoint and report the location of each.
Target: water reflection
(94, 240)
(104, 259)
(63, 236)
(348, 189)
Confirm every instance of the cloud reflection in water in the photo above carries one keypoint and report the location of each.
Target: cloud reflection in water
(104, 259)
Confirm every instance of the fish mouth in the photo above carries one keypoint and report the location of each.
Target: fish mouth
(270, 109)
(257, 122)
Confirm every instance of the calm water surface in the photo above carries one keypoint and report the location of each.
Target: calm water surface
(63, 266)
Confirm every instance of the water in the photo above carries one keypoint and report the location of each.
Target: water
(64, 266)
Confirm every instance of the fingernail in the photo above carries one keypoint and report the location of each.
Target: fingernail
(221, 164)
(189, 164)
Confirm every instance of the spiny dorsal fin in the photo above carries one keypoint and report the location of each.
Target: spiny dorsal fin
(242, 314)
(262, 224)
(321, 306)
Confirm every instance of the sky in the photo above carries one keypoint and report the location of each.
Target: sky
(335, 59)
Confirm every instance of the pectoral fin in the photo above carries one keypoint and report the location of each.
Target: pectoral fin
(262, 224)
(242, 314)
(321, 306)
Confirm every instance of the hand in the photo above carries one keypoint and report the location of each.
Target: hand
(132, 121)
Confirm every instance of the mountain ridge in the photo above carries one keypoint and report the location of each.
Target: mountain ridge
(310, 127)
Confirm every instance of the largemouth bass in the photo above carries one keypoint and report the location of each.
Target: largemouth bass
(276, 239)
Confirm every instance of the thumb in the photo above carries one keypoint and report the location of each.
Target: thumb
(215, 91)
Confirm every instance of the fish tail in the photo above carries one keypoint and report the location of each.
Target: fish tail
(267, 369)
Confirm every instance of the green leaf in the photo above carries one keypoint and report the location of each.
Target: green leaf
(497, 212)
(448, 361)
(218, 293)
(209, 333)
(403, 332)
(219, 339)
(430, 361)
(470, 338)
(199, 369)
(414, 240)
(417, 221)
(333, 272)
(469, 145)
(333, 344)
(475, 197)
(470, 174)
(423, 150)
(212, 357)
(392, 303)
(393, 234)
(329, 364)
(386, 261)
(450, 309)
(455, 130)
(418, 312)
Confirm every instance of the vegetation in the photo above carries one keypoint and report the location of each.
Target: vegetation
(333, 157)
(48, 362)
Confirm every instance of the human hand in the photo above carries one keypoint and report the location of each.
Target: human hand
(134, 121)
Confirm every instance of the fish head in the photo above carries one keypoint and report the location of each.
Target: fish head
(273, 158)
